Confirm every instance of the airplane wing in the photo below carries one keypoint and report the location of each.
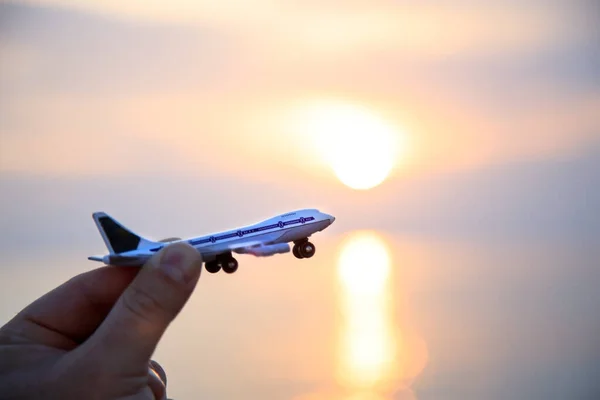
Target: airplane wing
(255, 248)
(121, 260)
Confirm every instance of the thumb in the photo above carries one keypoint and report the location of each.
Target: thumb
(131, 331)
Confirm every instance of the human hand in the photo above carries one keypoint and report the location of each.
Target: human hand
(92, 337)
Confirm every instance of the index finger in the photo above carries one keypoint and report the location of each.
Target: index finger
(74, 310)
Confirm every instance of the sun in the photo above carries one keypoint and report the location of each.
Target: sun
(358, 145)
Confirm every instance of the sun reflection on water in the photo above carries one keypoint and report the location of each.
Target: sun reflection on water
(375, 356)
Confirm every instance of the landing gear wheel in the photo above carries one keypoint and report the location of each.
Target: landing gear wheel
(296, 252)
(213, 267)
(306, 249)
(230, 265)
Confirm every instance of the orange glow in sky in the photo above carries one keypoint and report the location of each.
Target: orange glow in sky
(456, 119)
(354, 142)
(211, 85)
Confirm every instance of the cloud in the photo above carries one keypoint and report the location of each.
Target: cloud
(471, 83)
(74, 52)
(541, 199)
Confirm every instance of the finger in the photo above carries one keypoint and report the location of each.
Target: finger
(129, 334)
(69, 314)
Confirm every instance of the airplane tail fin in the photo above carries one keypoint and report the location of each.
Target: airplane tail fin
(117, 238)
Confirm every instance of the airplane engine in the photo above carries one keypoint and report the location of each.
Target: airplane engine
(268, 250)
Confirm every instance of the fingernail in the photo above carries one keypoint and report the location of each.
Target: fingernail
(180, 263)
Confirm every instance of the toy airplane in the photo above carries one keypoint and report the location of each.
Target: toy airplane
(263, 239)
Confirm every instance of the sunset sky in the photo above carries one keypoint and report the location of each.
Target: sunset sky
(472, 121)
(464, 83)
(483, 103)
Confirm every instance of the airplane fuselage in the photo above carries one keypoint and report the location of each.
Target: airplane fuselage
(290, 227)
(266, 238)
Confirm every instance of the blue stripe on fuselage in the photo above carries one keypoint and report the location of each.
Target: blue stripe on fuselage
(244, 232)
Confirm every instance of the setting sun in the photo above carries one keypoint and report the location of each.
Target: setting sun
(358, 145)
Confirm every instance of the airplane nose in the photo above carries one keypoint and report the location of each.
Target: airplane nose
(331, 218)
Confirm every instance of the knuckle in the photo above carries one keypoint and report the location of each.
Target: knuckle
(144, 305)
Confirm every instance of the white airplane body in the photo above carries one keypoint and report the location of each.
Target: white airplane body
(266, 238)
